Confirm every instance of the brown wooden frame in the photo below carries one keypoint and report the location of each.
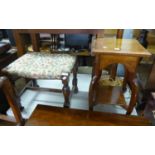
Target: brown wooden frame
(34, 34)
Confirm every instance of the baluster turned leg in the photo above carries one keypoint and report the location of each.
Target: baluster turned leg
(66, 91)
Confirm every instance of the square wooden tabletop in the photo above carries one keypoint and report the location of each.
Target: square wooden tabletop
(113, 46)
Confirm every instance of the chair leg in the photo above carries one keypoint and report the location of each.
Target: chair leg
(134, 91)
(11, 97)
(17, 97)
(92, 90)
(34, 83)
(74, 82)
(66, 91)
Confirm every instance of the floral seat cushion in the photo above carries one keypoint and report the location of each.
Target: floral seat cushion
(39, 65)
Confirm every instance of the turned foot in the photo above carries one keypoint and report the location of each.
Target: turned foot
(66, 91)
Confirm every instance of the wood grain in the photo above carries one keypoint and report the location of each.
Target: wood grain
(115, 46)
(54, 116)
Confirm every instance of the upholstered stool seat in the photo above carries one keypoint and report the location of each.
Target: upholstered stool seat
(41, 65)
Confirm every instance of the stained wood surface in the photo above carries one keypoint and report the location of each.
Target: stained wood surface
(115, 46)
(54, 116)
(19, 36)
(110, 95)
(59, 31)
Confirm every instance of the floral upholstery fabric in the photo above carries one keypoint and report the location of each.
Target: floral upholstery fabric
(41, 65)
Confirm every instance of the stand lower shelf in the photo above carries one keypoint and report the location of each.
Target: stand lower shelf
(110, 95)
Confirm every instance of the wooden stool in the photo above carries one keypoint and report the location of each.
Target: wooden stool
(41, 65)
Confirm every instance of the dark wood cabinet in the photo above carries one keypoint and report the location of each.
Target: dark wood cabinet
(146, 80)
(146, 71)
(5, 60)
(3, 103)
